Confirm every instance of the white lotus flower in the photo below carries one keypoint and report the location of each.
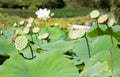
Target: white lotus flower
(43, 13)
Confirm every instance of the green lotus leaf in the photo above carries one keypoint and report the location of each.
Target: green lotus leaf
(97, 65)
(7, 46)
(116, 30)
(101, 62)
(61, 45)
(8, 32)
(102, 43)
(56, 33)
(116, 62)
(80, 48)
(94, 31)
(49, 64)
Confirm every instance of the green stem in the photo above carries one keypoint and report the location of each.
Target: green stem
(36, 35)
(110, 36)
(107, 25)
(111, 63)
(31, 36)
(31, 50)
(112, 40)
(88, 46)
(97, 23)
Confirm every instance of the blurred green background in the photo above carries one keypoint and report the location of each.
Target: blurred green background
(25, 8)
(61, 8)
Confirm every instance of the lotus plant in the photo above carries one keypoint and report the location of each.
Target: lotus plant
(103, 19)
(79, 32)
(22, 42)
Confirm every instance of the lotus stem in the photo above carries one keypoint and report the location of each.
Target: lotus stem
(110, 36)
(111, 63)
(31, 36)
(112, 40)
(31, 54)
(88, 46)
(31, 51)
(97, 23)
(107, 25)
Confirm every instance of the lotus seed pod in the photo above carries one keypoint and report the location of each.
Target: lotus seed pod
(82, 32)
(75, 34)
(95, 14)
(26, 30)
(30, 20)
(21, 42)
(103, 19)
(21, 22)
(19, 31)
(29, 25)
(45, 36)
(35, 29)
